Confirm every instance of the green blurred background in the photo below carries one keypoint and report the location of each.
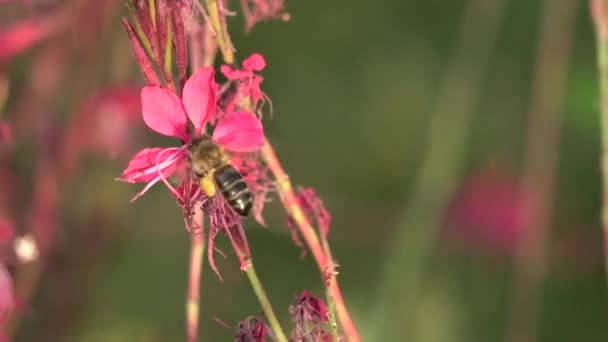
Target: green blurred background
(355, 86)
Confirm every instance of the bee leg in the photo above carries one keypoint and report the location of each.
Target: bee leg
(207, 185)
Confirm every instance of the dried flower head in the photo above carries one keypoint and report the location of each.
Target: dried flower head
(310, 315)
(314, 209)
(251, 329)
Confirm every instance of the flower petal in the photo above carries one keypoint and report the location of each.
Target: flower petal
(147, 164)
(240, 132)
(163, 112)
(255, 62)
(199, 97)
(234, 74)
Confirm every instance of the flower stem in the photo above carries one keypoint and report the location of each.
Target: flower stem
(331, 308)
(264, 301)
(330, 277)
(215, 17)
(323, 259)
(599, 11)
(197, 248)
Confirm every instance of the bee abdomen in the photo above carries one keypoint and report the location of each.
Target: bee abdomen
(234, 189)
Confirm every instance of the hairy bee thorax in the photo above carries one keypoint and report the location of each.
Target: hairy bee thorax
(212, 168)
(206, 156)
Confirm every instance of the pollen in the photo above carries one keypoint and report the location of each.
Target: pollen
(207, 185)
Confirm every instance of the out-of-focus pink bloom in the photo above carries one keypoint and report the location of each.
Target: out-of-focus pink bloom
(7, 299)
(104, 122)
(26, 33)
(6, 135)
(186, 118)
(247, 85)
(488, 212)
(7, 230)
(251, 329)
(263, 10)
(309, 315)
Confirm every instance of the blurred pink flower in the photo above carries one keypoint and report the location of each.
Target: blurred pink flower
(263, 10)
(247, 85)
(487, 212)
(6, 135)
(24, 34)
(104, 122)
(7, 230)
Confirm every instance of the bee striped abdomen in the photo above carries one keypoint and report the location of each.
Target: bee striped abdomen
(234, 189)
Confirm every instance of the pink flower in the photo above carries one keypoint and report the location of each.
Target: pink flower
(169, 115)
(263, 10)
(247, 85)
(186, 118)
(6, 135)
(7, 230)
(487, 212)
(22, 35)
(104, 122)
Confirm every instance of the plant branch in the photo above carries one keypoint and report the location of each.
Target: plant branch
(323, 260)
(264, 301)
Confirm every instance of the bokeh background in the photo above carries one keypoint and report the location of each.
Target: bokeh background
(434, 131)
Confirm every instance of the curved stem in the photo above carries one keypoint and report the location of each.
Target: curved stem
(264, 301)
(308, 232)
(197, 248)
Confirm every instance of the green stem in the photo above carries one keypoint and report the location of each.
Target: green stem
(599, 10)
(264, 302)
(333, 325)
(213, 11)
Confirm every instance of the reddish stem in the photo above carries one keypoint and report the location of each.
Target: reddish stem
(197, 247)
(324, 262)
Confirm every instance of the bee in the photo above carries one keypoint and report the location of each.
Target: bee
(212, 168)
